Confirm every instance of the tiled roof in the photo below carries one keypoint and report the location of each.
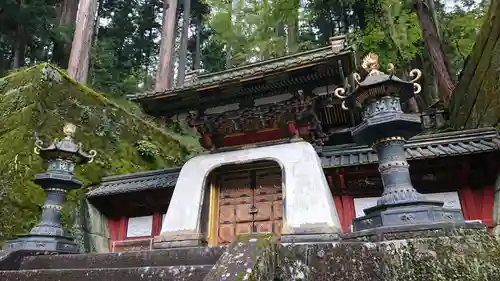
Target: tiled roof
(254, 69)
(164, 178)
(419, 147)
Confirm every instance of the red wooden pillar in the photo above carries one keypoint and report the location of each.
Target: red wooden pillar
(114, 229)
(468, 196)
(157, 220)
(338, 203)
(485, 200)
(348, 213)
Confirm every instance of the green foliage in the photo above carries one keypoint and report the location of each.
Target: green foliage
(251, 31)
(147, 148)
(41, 99)
(392, 31)
(461, 26)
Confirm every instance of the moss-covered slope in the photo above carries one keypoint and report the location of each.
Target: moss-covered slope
(39, 100)
(476, 99)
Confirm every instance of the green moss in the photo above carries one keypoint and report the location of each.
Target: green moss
(41, 99)
(460, 255)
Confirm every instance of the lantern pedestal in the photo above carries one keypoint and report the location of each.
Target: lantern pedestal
(43, 244)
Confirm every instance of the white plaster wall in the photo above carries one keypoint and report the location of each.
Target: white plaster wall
(307, 201)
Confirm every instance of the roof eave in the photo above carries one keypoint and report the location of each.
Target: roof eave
(194, 87)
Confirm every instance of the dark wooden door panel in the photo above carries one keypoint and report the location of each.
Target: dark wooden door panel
(244, 228)
(243, 213)
(227, 215)
(264, 226)
(278, 210)
(250, 202)
(226, 233)
(264, 211)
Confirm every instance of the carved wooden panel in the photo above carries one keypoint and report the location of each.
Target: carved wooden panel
(268, 201)
(235, 201)
(250, 202)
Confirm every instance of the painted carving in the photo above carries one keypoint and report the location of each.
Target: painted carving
(251, 119)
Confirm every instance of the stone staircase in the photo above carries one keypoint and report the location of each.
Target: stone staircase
(170, 264)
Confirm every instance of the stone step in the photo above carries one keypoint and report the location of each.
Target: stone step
(167, 257)
(178, 273)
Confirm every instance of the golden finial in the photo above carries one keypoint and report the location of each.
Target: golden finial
(69, 130)
(390, 68)
(371, 63)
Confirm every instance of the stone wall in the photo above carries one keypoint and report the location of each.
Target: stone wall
(457, 257)
(98, 229)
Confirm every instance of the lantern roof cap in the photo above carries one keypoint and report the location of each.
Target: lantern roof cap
(66, 148)
(377, 83)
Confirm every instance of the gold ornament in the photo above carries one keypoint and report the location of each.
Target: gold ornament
(69, 130)
(371, 64)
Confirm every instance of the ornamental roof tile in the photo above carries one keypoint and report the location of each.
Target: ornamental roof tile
(254, 69)
(164, 178)
(420, 147)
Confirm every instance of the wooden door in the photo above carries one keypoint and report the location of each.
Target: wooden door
(268, 201)
(249, 202)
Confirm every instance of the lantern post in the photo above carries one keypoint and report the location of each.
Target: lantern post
(385, 127)
(61, 157)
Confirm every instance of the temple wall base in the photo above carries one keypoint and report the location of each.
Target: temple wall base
(179, 239)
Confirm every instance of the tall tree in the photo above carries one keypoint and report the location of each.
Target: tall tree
(184, 42)
(444, 75)
(20, 42)
(82, 40)
(66, 17)
(167, 45)
(292, 25)
(197, 58)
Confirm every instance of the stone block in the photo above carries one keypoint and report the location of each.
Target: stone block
(170, 273)
(250, 257)
(99, 244)
(438, 255)
(155, 258)
(178, 239)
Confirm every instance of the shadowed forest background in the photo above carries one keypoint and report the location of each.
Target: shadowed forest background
(214, 35)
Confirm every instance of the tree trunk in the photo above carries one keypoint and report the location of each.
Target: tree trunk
(293, 28)
(95, 36)
(197, 58)
(184, 41)
(436, 52)
(167, 45)
(82, 40)
(66, 15)
(19, 51)
(476, 102)
(292, 37)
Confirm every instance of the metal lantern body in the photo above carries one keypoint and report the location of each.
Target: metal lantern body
(61, 157)
(385, 127)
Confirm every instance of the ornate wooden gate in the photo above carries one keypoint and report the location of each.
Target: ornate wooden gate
(250, 202)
